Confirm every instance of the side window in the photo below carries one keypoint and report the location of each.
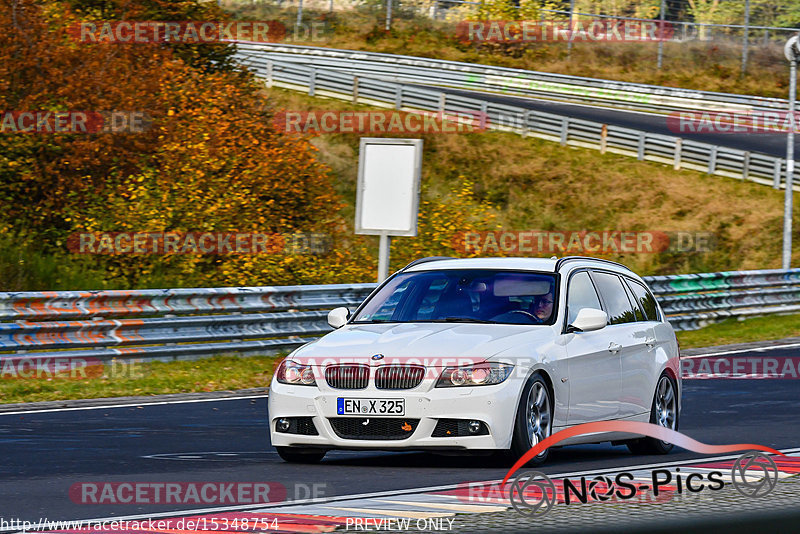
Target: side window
(581, 294)
(615, 298)
(645, 299)
(637, 311)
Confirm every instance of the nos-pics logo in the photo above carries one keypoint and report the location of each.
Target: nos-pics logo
(533, 493)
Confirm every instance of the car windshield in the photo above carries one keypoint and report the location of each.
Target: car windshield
(468, 295)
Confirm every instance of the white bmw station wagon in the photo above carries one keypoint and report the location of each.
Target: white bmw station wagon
(482, 354)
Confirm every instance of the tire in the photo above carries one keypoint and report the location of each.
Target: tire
(535, 407)
(663, 412)
(295, 455)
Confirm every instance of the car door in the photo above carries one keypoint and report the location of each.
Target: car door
(594, 371)
(624, 340)
(637, 368)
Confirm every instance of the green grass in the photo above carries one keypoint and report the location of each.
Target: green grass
(735, 331)
(220, 373)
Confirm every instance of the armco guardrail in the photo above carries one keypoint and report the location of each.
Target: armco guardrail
(692, 301)
(411, 69)
(170, 323)
(191, 323)
(680, 153)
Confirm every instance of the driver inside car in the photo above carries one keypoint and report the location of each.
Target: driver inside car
(542, 307)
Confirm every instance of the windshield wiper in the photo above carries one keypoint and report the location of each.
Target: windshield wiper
(462, 320)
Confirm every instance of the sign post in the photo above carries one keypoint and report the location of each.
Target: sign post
(792, 52)
(387, 200)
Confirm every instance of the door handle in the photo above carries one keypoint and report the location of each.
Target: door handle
(614, 347)
(650, 342)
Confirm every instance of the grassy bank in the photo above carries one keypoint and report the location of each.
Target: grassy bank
(220, 373)
(735, 331)
(533, 184)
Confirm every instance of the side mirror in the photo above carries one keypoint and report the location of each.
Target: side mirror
(588, 319)
(338, 317)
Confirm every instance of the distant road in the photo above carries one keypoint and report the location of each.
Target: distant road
(772, 144)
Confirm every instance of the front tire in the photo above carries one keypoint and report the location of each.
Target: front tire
(663, 412)
(534, 420)
(296, 455)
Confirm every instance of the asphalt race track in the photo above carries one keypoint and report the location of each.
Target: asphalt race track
(772, 144)
(45, 453)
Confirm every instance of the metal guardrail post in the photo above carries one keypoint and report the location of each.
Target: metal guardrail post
(442, 102)
(746, 37)
(746, 165)
(525, 119)
(776, 174)
(603, 138)
(312, 82)
(678, 153)
(398, 97)
(640, 148)
(712, 160)
(564, 131)
(355, 89)
(269, 73)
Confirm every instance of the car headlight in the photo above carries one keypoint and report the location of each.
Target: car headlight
(291, 372)
(482, 374)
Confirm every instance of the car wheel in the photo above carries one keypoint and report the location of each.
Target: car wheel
(295, 455)
(534, 420)
(664, 412)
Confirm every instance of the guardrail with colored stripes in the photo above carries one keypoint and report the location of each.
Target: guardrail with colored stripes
(378, 86)
(191, 323)
(563, 87)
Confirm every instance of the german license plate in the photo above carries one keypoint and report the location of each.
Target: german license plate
(346, 406)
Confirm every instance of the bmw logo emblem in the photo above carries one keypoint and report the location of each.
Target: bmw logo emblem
(378, 357)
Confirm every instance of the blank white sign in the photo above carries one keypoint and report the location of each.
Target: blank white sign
(388, 187)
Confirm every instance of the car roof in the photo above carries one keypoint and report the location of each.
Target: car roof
(521, 264)
(517, 264)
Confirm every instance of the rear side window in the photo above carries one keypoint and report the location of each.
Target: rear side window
(637, 311)
(645, 300)
(617, 305)
(581, 295)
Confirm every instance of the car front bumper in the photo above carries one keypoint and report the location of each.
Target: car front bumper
(494, 405)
